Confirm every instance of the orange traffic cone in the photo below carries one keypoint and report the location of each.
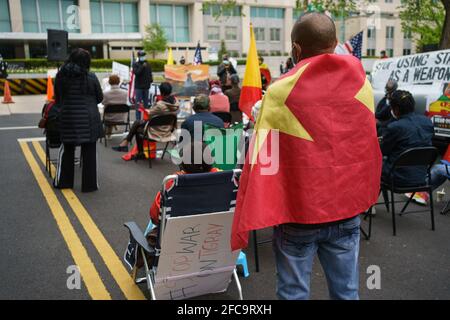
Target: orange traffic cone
(50, 89)
(7, 98)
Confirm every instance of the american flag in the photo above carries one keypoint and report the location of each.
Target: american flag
(198, 55)
(354, 45)
(131, 92)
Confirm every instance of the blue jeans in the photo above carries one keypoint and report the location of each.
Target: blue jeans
(438, 175)
(141, 96)
(337, 247)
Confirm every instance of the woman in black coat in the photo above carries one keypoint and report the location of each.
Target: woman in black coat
(78, 93)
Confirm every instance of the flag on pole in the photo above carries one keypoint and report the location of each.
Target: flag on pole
(170, 57)
(325, 159)
(352, 46)
(251, 91)
(131, 91)
(198, 55)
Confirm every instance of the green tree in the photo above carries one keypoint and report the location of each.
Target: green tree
(222, 50)
(155, 40)
(429, 19)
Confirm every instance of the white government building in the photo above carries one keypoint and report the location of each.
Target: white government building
(114, 28)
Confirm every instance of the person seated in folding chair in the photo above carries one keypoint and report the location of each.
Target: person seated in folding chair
(202, 116)
(168, 104)
(409, 130)
(187, 166)
(114, 96)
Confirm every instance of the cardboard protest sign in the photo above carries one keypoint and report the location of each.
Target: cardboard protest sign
(121, 70)
(196, 257)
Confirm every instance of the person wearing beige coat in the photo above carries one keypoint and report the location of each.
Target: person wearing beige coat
(114, 96)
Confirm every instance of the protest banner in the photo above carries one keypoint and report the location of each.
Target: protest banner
(425, 68)
(188, 80)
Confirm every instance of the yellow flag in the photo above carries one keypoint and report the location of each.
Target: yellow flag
(170, 57)
(251, 86)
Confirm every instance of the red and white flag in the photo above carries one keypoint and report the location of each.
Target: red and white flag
(131, 91)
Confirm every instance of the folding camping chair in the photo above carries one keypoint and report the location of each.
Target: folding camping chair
(166, 122)
(192, 256)
(116, 109)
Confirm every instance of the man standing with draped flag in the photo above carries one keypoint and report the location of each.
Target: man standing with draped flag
(318, 122)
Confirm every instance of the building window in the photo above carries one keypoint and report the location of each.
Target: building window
(213, 33)
(259, 34)
(371, 33)
(174, 20)
(40, 15)
(388, 1)
(389, 32)
(5, 21)
(371, 52)
(264, 12)
(114, 16)
(406, 52)
(216, 9)
(275, 34)
(407, 35)
(231, 33)
(390, 52)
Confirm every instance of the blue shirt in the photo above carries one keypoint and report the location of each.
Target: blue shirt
(202, 118)
(409, 131)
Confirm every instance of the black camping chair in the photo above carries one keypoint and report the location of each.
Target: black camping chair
(225, 116)
(116, 109)
(169, 122)
(424, 156)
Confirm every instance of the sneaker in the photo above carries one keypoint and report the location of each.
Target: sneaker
(120, 149)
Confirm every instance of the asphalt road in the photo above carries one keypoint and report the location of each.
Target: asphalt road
(36, 250)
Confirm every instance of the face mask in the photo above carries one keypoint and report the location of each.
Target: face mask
(141, 59)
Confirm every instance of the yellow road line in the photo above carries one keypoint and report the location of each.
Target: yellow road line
(112, 261)
(94, 283)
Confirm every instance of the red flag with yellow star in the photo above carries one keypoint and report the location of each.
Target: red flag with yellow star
(314, 156)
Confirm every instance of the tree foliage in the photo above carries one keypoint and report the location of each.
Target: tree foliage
(155, 40)
(424, 18)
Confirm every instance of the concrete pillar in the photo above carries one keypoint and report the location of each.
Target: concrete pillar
(144, 15)
(196, 32)
(85, 17)
(105, 51)
(288, 24)
(245, 20)
(15, 12)
(26, 49)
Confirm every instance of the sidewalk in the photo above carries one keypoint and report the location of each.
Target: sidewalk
(23, 105)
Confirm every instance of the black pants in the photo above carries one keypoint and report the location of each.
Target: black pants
(137, 130)
(66, 165)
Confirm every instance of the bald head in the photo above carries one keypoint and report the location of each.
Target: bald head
(313, 34)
